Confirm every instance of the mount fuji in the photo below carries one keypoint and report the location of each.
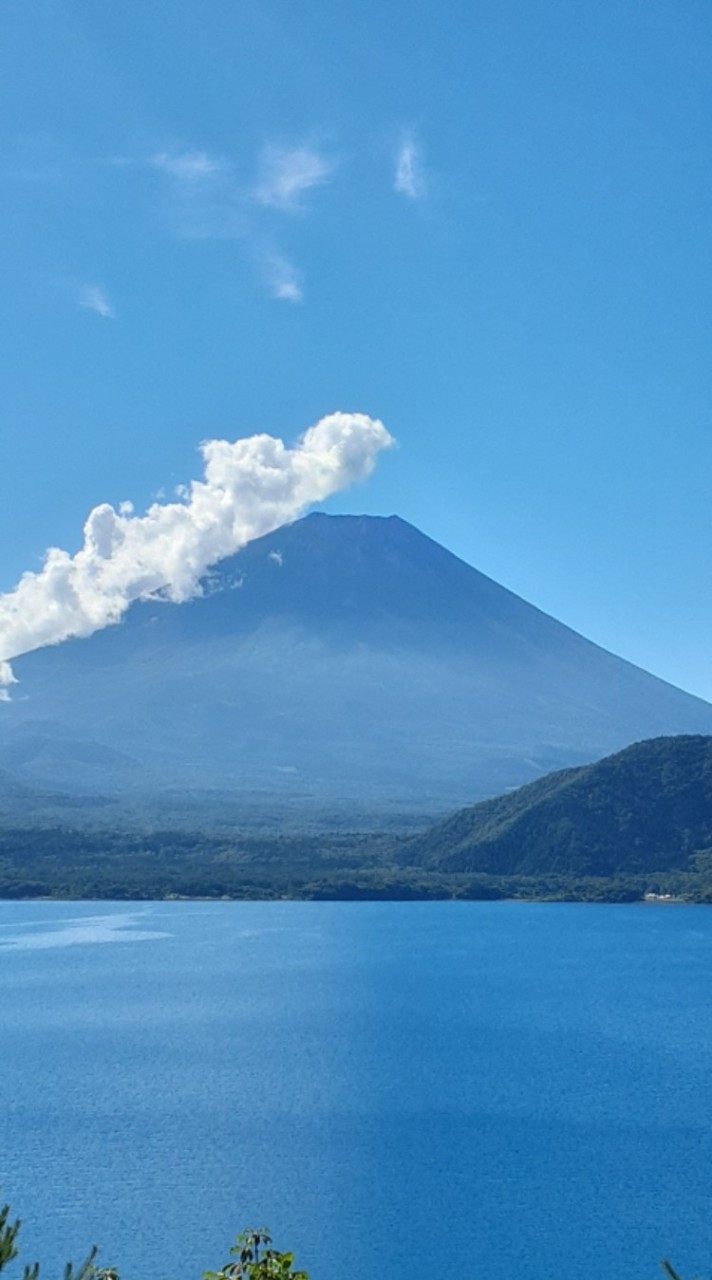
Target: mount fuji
(342, 663)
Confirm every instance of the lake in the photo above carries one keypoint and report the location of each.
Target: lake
(489, 1089)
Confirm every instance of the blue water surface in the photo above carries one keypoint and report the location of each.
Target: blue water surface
(488, 1090)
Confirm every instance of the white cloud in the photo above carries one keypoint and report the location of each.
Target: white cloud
(410, 177)
(287, 174)
(6, 679)
(94, 299)
(283, 280)
(187, 166)
(205, 201)
(250, 486)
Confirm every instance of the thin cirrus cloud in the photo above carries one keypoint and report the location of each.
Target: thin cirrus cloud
(410, 179)
(187, 166)
(93, 298)
(210, 203)
(282, 279)
(249, 487)
(287, 174)
(205, 201)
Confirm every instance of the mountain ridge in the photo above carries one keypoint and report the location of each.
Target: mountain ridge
(340, 660)
(645, 809)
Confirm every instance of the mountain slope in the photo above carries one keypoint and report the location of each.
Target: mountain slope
(340, 661)
(648, 808)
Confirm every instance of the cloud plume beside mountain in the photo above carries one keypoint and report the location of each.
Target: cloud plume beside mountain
(250, 487)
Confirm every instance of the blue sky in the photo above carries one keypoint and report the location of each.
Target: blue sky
(487, 225)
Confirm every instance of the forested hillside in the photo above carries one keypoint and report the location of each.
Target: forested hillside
(645, 809)
(635, 823)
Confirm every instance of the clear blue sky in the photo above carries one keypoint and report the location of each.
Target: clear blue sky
(487, 224)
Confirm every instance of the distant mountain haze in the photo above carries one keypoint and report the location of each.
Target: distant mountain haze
(342, 663)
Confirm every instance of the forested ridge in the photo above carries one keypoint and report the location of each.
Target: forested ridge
(636, 823)
(645, 809)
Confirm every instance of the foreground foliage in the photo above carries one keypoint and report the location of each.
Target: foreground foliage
(9, 1251)
(250, 1264)
(252, 1258)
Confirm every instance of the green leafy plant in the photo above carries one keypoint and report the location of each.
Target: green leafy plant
(255, 1259)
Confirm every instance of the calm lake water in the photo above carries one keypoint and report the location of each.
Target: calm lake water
(523, 1090)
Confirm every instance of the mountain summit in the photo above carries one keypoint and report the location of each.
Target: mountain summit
(341, 661)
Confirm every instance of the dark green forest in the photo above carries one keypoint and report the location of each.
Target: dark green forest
(645, 810)
(65, 863)
(635, 824)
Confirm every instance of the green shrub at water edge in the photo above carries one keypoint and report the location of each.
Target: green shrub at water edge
(253, 1258)
(250, 1265)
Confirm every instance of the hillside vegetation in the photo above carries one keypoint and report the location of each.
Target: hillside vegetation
(636, 823)
(645, 809)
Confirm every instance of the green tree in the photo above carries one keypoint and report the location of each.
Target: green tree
(8, 1236)
(9, 1232)
(255, 1259)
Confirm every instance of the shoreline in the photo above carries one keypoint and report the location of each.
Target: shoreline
(646, 900)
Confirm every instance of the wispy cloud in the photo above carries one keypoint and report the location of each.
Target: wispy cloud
(206, 199)
(6, 679)
(286, 174)
(410, 179)
(187, 166)
(93, 298)
(282, 278)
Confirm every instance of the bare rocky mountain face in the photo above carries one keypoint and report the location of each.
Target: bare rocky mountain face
(343, 665)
